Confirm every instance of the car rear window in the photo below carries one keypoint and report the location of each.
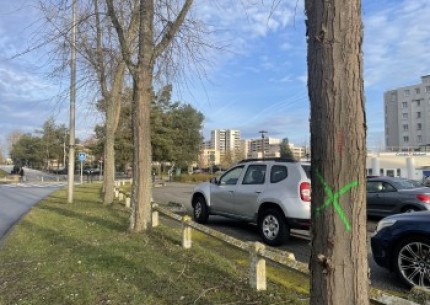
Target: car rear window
(278, 173)
(307, 169)
(405, 184)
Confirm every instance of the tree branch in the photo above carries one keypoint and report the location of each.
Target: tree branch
(125, 48)
(172, 29)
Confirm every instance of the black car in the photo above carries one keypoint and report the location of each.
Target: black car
(388, 195)
(401, 244)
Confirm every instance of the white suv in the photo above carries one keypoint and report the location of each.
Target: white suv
(273, 193)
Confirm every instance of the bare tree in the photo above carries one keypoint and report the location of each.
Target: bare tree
(111, 90)
(150, 48)
(338, 132)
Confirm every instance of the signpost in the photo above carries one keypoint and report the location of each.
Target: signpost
(82, 157)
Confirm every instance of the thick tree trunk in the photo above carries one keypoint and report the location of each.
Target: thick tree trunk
(339, 254)
(142, 184)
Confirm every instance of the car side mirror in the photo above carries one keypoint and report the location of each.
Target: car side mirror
(213, 180)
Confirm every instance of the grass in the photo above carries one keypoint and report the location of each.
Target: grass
(3, 173)
(81, 253)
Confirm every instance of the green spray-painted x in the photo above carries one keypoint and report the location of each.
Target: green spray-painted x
(333, 198)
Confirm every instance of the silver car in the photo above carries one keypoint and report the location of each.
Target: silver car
(388, 195)
(274, 194)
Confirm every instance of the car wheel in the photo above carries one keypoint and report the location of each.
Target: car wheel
(410, 209)
(273, 227)
(201, 212)
(412, 261)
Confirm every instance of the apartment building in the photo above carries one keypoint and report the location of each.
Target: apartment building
(407, 116)
(225, 140)
(271, 148)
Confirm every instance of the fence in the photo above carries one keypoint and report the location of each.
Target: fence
(257, 252)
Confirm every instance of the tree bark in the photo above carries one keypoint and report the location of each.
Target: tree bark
(113, 110)
(338, 263)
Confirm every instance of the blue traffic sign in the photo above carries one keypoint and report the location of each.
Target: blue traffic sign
(82, 156)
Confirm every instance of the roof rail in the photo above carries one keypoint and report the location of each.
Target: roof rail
(268, 159)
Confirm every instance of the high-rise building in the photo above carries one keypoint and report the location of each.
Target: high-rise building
(270, 146)
(226, 140)
(407, 116)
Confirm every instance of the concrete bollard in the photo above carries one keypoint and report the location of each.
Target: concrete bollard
(121, 197)
(257, 268)
(154, 216)
(116, 193)
(186, 232)
(127, 202)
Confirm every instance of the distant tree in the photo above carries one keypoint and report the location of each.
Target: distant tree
(227, 159)
(28, 151)
(175, 131)
(286, 150)
(2, 155)
(13, 138)
(185, 134)
(53, 138)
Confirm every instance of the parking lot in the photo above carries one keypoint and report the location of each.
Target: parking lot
(299, 243)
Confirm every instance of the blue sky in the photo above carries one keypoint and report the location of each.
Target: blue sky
(257, 82)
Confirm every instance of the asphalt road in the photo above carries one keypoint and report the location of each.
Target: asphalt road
(16, 199)
(298, 243)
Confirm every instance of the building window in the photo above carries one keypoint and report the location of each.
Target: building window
(393, 97)
(381, 172)
(407, 92)
(419, 138)
(398, 172)
(418, 115)
(405, 105)
(406, 139)
(427, 88)
(418, 103)
(419, 126)
(405, 127)
(417, 90)
(404, 115)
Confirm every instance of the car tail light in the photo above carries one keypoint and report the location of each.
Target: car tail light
(423, 198)
(305, 191)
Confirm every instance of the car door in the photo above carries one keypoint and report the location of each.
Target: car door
(382, 198)
(390, 199)
(223, 192)
(248, 191)
(374, 190)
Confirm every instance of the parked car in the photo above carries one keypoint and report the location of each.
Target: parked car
(91, 171)
(390, 195)
(401, 243)
(273, 193)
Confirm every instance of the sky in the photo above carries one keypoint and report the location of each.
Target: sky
(257, 82)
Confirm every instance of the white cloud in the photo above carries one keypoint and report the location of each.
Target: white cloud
(396, 43)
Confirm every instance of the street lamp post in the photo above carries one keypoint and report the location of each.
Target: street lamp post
(71, 168)
(263, 132)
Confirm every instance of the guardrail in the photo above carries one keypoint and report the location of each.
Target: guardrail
(258, 254)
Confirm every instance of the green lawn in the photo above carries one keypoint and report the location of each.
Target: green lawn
(82, 254)
(3, 173)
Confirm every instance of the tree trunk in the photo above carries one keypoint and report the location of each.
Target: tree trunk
(113, 111)
(142, 184)
(338, 264)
